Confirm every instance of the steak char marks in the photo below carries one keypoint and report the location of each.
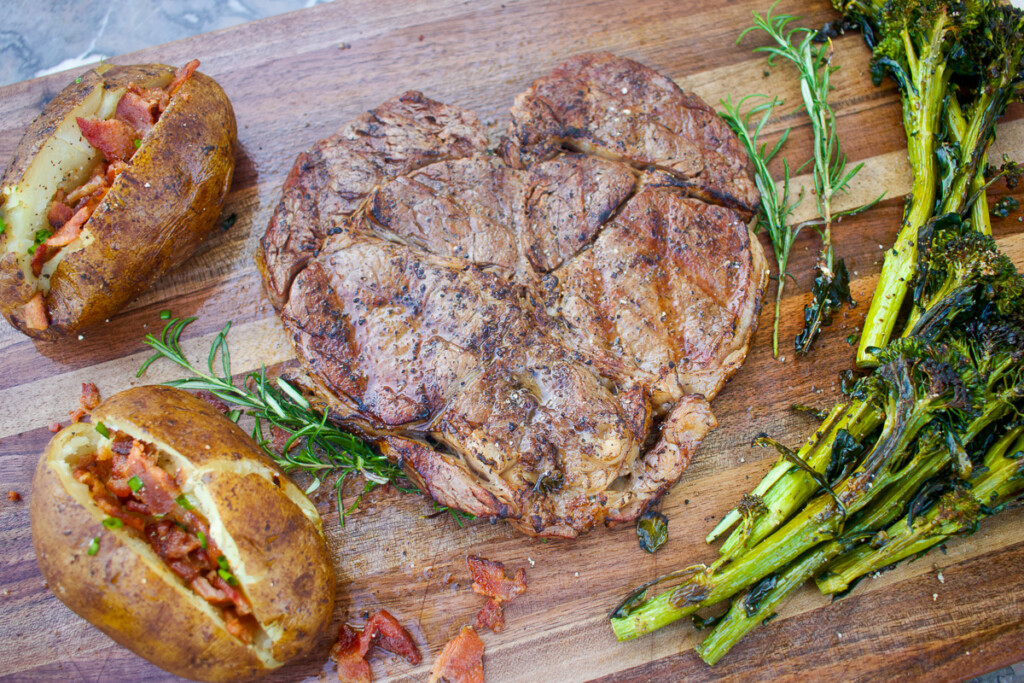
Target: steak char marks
(533, 335)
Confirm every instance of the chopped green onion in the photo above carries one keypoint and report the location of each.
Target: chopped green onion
(113, 523)
(227, 576)
(3, 226)
(102, 429)
(78, 80)
(184, 502)
(137, 143)
(165, 314)
(94, 546)
(202, 540)
(222, 562)
(135, 484)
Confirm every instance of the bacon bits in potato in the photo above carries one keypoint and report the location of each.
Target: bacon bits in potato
(115, 183)
(166, 527)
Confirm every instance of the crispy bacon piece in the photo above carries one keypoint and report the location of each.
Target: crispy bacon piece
(242, 628)
(131, 505)
(141, 108)
(54, 427)
(40, 257)
(490, 616)
(185, 570)
(97, 182)
(348, 655)
(170, 542)
(384, 630)
(212, 400)
(242, 606)
(121, 443)
(35, 312)
(113, 169)
(70, 231)
(158, 489)
(489, 579)
(59, 214)
(206, 591)
(279, 439)
(14, 496)
(115, 139)
(182, 75)
(461, 660)
(90, 397)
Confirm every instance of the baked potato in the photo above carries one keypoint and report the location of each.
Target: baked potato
(115, 183)
(163, 525)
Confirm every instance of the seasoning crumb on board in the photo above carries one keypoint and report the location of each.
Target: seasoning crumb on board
(14, 496)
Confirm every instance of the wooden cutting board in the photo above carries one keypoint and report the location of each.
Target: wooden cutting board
(296, 78)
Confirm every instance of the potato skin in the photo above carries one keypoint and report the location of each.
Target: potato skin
(156, 213)
(145, 610)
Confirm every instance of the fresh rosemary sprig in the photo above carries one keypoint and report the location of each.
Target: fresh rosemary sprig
(776, 207)
(314, 444)
(831, 175)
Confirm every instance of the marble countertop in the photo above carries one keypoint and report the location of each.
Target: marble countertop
(39, 37)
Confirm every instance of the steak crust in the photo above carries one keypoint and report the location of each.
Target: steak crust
(534, 335)
(622, 110)
(330, 182)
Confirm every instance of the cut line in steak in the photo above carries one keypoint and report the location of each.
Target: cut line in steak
(535, 334)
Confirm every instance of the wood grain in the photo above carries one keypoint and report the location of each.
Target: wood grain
(296, 78)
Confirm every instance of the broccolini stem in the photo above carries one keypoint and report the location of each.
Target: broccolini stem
(747, 612)
(793, 489)
(819, 521)
(973, 136)
(974, 140)
(981, 219)
(956, 512)
(740, 620)
(922, 111)
(782, 467)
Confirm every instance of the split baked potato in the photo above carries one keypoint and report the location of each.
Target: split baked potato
(116, 182)
(166, 527)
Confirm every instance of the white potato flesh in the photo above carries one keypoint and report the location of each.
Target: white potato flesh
(65, 161)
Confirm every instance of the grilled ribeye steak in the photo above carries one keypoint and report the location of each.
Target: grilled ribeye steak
(535, 334)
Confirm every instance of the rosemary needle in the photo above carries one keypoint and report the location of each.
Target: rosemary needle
(831, 175)
(776, 206)
(314, 445)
